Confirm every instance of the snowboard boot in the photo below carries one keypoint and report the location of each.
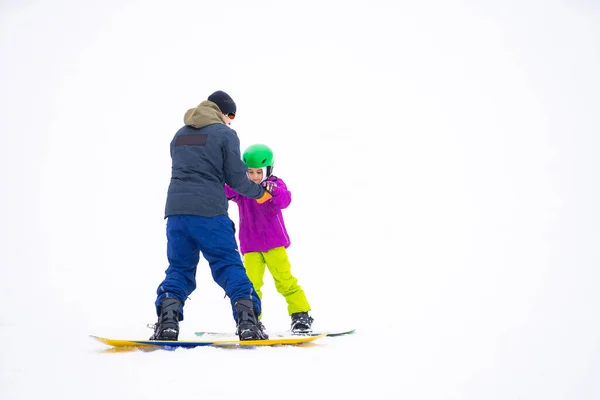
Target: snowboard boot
(301, 323)
(167, 327)
(248, 327)
(261, 326)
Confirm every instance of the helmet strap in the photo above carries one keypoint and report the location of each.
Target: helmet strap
(267, 172)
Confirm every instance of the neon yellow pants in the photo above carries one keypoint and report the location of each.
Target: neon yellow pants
(280, 268)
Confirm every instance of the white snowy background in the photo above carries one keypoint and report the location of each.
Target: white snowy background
(443, 161)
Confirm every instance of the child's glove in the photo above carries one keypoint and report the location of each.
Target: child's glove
(270, 187)
(270, 191)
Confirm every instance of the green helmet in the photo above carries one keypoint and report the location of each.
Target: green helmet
(258, 156)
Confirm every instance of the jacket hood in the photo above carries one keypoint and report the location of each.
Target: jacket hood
(207, 113)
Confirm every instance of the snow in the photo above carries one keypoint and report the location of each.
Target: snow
(442, 158)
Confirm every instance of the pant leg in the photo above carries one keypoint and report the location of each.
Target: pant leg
(216, 240)
(254, 263)
(183, 255)
(255, 269)
(286, 284)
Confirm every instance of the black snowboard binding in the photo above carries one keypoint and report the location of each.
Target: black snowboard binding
(261, 326)
(248, 326)
(169, 315)
(301, 323)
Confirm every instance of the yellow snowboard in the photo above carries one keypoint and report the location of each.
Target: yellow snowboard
(146, 344)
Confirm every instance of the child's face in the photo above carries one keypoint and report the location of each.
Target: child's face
(255, 174)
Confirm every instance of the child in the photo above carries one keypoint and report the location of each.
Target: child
(264, 239)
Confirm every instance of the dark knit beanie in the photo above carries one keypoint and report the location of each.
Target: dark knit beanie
(224, 101)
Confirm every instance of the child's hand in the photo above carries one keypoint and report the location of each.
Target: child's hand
(270, 187)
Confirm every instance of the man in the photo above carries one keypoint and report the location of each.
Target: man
(205, 155)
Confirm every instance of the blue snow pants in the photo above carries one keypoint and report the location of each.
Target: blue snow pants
(187, 237)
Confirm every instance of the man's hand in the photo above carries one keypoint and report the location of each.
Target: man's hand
(265, 197)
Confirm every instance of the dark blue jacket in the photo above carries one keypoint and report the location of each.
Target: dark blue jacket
(205, 156)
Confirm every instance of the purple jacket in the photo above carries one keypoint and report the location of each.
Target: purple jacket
(261, 225)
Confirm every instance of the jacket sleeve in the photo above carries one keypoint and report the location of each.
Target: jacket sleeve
(235, 169)
(231, 194)
(284, 196)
